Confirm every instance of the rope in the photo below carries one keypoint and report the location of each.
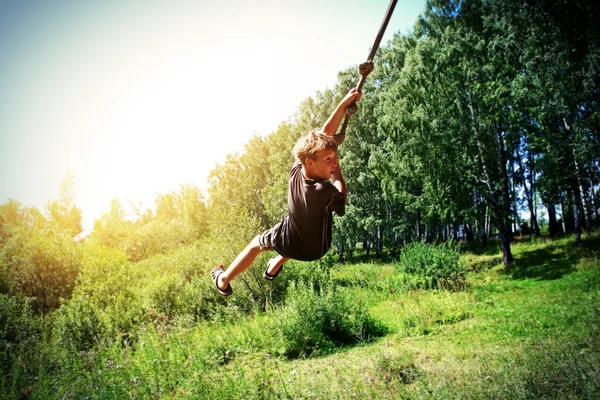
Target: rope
(366, 68)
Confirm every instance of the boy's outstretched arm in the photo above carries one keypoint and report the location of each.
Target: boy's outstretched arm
(333, 122)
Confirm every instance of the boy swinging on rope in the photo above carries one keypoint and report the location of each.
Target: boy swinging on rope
(304, 233)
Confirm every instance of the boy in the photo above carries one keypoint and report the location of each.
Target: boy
(304, 233)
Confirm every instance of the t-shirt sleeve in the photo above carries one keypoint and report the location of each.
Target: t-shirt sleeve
(295, 168)
(337, 203)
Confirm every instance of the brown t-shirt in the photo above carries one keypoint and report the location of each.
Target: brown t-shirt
(305, 231)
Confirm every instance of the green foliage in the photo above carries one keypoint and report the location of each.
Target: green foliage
(107, 302)
(43, 265)
(315, 321)
(435, 266)
(154, 237)
(402, 367)
(64, 215)
(525, 336)
(14, 217)
(201, 302)
(79, 325)
(232, 230)
(238, 182)
(165, 294)
(19, 328)
(21, 345)
(280, 161)
(112, 229)
(180, 218)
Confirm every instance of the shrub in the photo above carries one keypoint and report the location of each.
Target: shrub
(200, 300)
(18, 326)
(433, 266)
(313, 320)
(106, 304)
(42, 265)
(165, 294)
(78, 323)
(22, 346)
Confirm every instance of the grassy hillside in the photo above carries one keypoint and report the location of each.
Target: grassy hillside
(532, 331)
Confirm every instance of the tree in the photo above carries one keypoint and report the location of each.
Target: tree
(240, 180)
(13, 216)
(64, 215)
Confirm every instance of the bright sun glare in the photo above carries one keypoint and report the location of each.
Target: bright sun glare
(139, 100)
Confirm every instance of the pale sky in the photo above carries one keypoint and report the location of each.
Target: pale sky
(138, 97)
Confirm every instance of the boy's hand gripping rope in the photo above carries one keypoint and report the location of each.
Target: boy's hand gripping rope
(366, 68)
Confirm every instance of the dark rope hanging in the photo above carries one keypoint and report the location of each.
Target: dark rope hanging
(366, 68)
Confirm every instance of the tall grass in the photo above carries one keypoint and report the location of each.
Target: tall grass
(332, 331)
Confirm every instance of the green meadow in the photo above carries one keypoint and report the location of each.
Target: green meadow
(367, 330)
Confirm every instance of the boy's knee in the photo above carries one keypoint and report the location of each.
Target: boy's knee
(257, 245)
(256, 241)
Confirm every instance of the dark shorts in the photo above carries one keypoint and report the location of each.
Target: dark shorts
(267, 238)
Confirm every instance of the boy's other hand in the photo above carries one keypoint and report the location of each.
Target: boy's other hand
(353, 95)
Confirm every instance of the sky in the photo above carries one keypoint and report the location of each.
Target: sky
(136, 98)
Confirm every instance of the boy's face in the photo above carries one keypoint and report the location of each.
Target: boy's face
(324, 166)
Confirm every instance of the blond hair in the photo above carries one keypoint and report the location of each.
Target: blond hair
(310, 145)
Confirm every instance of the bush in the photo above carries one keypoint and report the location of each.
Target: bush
(433, 266)
(164, 295)
(18, 326)
(314, 321)
(78, 323)
(201, 301)
(21, 334)
(41, 265)
(109, 288)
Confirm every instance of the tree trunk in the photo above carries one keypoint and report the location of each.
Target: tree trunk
(562, 212)
(552, 224)
(340, 251)
(418, 226)
(498, 206)
(583, 198)
(532, 187)
(504, 218)
(482, 225)
(376, 243)
(529, 196)
(594, 201)
(488, 222)
(580, 187)
(516, 219)
(516, 223)
(469, 232)
(577, 219)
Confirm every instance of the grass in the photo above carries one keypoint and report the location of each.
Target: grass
(528, 332)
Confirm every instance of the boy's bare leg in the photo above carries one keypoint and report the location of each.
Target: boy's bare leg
(241, 263)
(276, 263)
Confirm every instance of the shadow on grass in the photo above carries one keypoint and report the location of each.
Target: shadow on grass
(491, 248)
(543, 264)
(547, 263)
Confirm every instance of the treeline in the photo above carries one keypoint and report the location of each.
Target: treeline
(487, 109)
